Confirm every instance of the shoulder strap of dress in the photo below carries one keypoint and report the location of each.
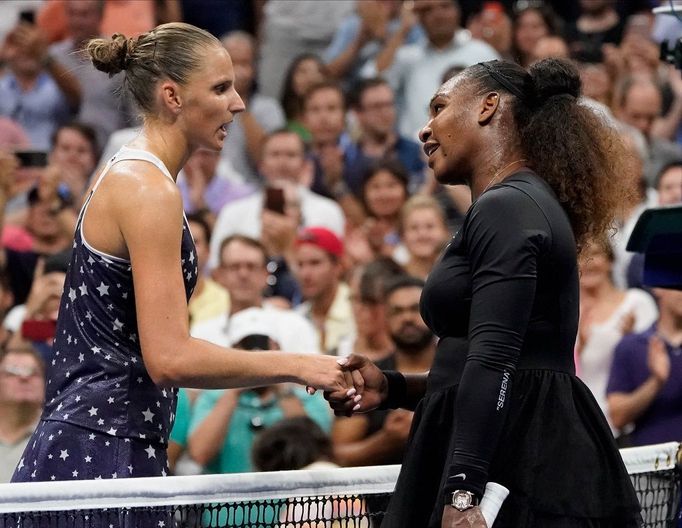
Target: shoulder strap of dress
(125, 153)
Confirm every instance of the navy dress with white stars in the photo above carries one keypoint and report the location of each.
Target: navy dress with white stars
(104, 417)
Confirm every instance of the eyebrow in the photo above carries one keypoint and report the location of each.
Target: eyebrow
(225, 80)
(436, 96)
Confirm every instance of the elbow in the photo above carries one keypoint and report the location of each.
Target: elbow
(164, 363)
(198, 452)
(618, 420)
(618, 415)
(164, 374)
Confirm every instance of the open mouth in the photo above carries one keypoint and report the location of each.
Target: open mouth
(430, 148)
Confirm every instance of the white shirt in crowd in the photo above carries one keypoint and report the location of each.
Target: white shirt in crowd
(597, 353)
(293, 332)
(242, 217)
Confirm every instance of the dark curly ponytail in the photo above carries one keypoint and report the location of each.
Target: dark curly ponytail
(580, 155)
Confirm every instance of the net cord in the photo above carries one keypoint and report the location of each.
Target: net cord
(245, 487)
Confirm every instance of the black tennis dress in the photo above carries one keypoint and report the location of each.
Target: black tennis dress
(503, 403)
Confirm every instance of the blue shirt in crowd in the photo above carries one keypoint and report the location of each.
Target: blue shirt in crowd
(662, 421)
(39, 110)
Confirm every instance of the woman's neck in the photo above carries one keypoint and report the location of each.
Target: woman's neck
(166, 142)
(493, 166)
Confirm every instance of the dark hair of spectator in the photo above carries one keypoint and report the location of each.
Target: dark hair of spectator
(292, 443)
(359, 88)
(552, 22)
(390, 165)
(292, 103)
(580, 156)
(373, 277)
(400, 282)
(86, 131)
(169, 51)
(284, 132)
(199, 219)
(668, 165)
(247, 241)
(324, 85)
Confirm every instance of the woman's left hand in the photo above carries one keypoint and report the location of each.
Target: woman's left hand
(471, 518)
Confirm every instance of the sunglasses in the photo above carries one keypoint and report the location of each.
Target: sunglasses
(20, 372)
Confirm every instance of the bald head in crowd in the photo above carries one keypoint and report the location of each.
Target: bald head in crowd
(639, 104)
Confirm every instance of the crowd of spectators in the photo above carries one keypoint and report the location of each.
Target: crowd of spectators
(317, 224)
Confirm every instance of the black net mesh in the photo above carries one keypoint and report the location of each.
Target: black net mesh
(659, 495)
(300, 512)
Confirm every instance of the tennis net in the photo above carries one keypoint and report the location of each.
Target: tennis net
(330, 498)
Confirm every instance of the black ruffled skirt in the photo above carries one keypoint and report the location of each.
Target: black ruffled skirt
(556, 455)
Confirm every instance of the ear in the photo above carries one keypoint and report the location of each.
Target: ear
(170, 95)
(488, 107)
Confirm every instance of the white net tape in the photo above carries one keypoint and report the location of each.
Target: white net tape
(245, 487)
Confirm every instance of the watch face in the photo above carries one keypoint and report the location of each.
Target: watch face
(461, 500)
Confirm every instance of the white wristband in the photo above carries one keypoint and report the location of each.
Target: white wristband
(492, 500)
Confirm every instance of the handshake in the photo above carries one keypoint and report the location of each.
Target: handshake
(354, 384)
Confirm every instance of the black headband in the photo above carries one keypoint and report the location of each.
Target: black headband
(503, 81)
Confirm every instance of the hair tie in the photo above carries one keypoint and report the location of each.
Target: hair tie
(503, 81)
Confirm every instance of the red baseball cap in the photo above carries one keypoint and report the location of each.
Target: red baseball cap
(322, 238)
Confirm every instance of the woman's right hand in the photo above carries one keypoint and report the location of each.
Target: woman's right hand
(369, 382)
(323, 372)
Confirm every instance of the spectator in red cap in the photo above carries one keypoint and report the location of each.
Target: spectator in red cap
(318, 257)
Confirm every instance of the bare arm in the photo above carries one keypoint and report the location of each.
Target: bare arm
(338, 67)
(386, 56)
(66, 82)
(8, 166)
(377, 448)
(150, 222)
(208, 438)
(666, 126)
(626, 407)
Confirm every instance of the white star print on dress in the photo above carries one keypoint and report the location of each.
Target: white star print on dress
(97, 386)
(103, 289)
(148, 415)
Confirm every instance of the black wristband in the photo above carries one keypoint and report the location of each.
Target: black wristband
(465, 478)
(397, 390)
